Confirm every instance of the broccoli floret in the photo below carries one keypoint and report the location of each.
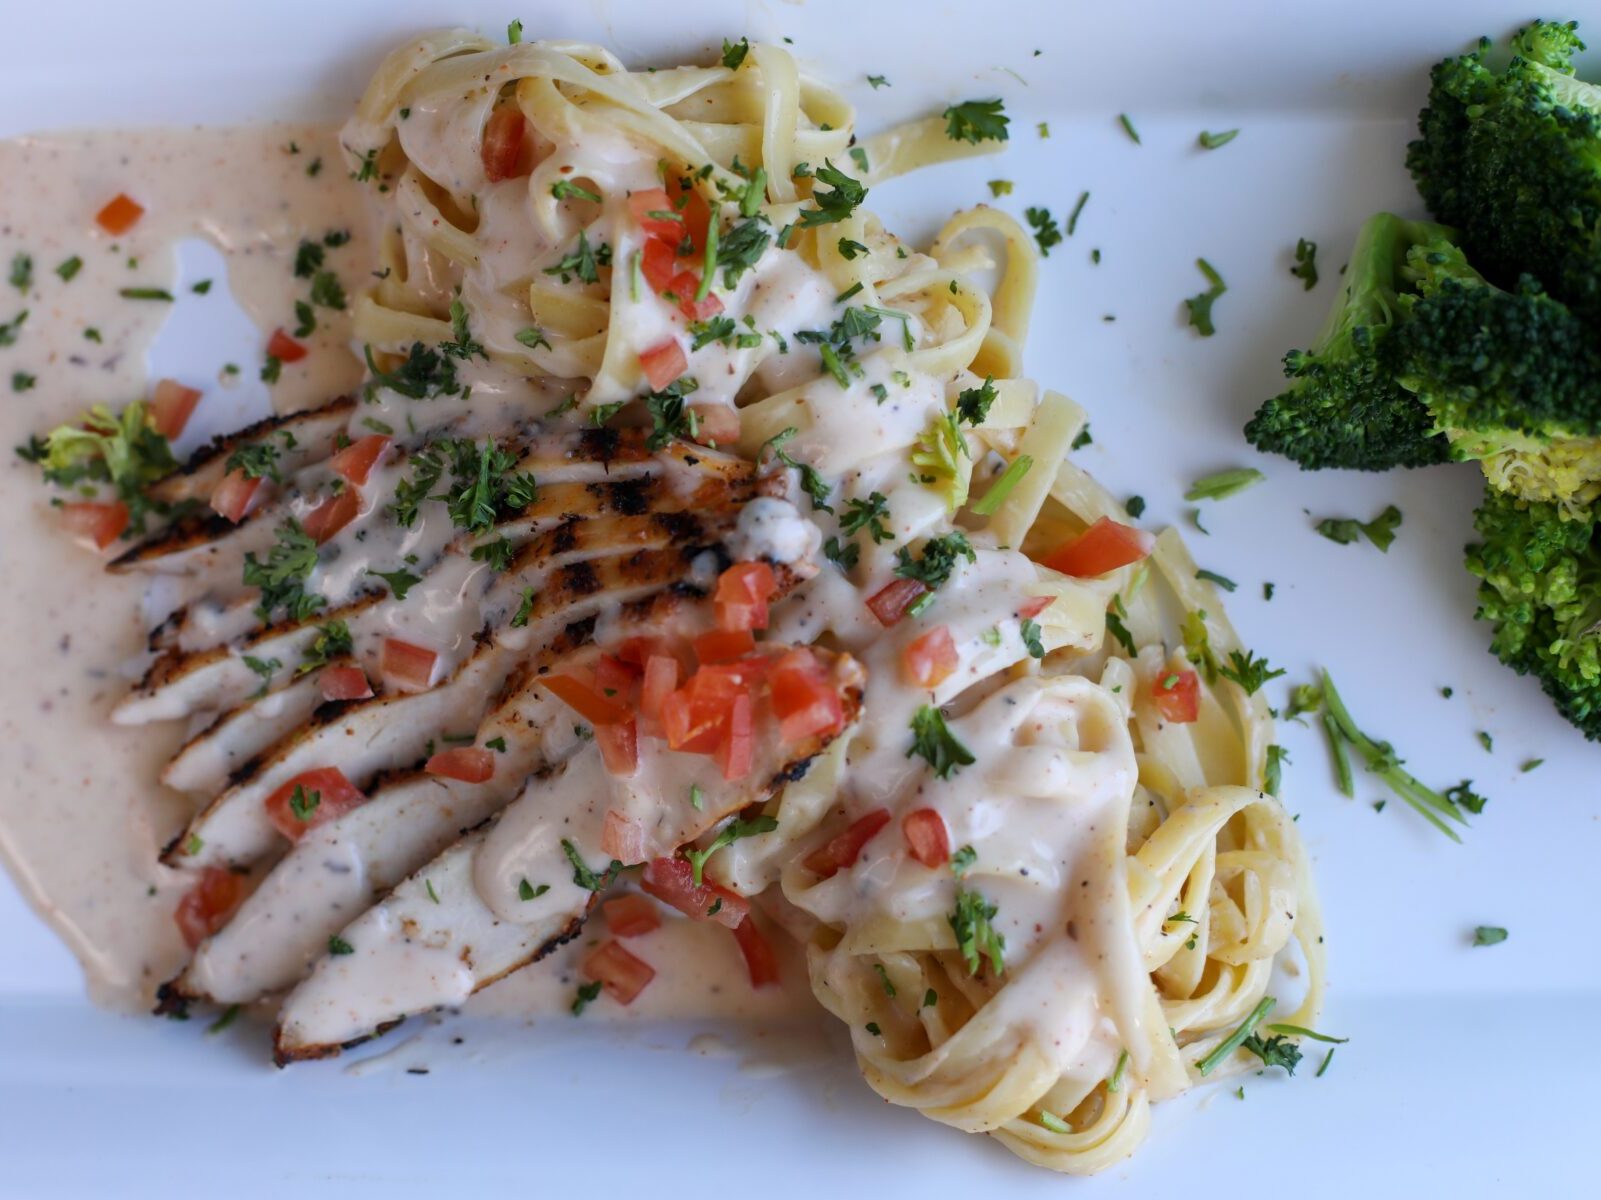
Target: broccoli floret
(1513, 379)
(1513, 159)
(1541, 589)
(1345, 407)
(1435, 363)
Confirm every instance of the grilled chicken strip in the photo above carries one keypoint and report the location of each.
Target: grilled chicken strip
(505, 896)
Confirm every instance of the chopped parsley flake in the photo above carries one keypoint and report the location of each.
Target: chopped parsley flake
(933, 741)
(1200, 305)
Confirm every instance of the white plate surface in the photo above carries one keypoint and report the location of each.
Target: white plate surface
(1471, 1072)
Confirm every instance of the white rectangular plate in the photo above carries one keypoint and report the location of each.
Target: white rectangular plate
(1462, 1076)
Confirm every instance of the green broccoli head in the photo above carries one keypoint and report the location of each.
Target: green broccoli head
(1541, 589)
(1513, 159)
(1513, 379)
(1344, 406)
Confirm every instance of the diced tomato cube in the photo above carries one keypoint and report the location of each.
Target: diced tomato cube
(284, 348)
(723, 645)
(505, 144)
(930, 659)
(1104, 546)
(405, 666)
(684, 285)
(616, 677)
(760, 960)
(470, 764)
(1178, 696)
(622, 974)
(630, 915)
(344, 683)
(310, 799)
(655, 214)
(1033, 607)
(206, 907)
(843, 849)
(232, 497)
(171, 406)
(661, 680)
(803, 701)
(662, 364)
(621, 837)
(581, 695)
(743, 591)
(658, 265)
(692, 206)
(355, 462)
(736, 753)
(890, 602)
(619, 747)
(121, 214)
(716, 424)
(332, 515)
(94, 523)
(672, 881)
(635, 650)
(927, 837)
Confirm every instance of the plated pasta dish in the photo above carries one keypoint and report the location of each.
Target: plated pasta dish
(661, 579)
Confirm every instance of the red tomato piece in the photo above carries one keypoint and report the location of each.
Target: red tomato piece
(656, 216)
(616, 677)
(661, 680)
(684, 285)
(232, 497)
(206, 907)
(630, 915)
(1104, 546)
(344, 683)
(619, 749)
(890, 602)
(743, 591)
(405, 666)
(696, 212)
(332, 515)
(695, 715)
(622, 974)
(672, 881)
(760, 960)
(622, 837)
(843, 849)
(662, 364)
(736, 753)
(723, 645)
(284, 348)
(355, 462)
(927, 837)
(470, 764)
(716, 424)
(94, 523)
(635, 650)
(505, 143)
(585, 699)
(1178, 696)
(1032, 608)
(931, 659)
(121, 214)
(658, 265)
(171, 406)
(325, 795)
(803, 701)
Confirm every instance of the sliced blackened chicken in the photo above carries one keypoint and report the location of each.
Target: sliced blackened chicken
(505, 896)
(291, 443)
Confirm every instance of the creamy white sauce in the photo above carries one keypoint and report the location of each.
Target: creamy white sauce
(1044, 806)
